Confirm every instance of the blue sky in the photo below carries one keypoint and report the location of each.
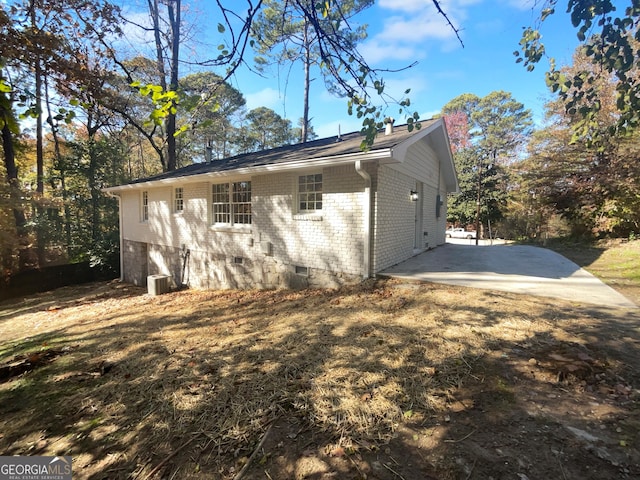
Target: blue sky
(399, 33)
(403, 31)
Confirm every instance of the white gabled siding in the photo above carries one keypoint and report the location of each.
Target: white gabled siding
(421, 164)
(441, 222)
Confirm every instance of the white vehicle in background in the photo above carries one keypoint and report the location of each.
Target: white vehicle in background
(459, 233)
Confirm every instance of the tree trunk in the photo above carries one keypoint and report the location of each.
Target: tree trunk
(39, 210)
(307, 83)
(94, 191)
(155, 18)
(61, 168)
(174, 22)
(14, 189)
(154, 12)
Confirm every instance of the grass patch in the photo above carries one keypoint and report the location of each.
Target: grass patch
(615, 262)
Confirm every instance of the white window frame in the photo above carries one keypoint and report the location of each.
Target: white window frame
(220, 204)
(144, 206)
(309, 193)
(231, 204)
(178, 200)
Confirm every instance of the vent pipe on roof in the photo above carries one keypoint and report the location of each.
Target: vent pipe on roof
(388, 128)
(339, 139)
(208, 152)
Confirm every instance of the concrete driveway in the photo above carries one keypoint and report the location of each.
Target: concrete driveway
(511, 268)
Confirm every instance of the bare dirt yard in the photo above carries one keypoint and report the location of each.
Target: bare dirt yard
(384, 380)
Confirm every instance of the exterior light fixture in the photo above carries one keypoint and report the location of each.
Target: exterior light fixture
(413, 195)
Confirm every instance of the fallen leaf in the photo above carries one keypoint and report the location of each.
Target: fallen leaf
(338, 452)
(365, 397)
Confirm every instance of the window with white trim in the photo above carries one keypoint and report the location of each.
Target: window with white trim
(178, 200)
(144, 207)
(310, 193)
(231, 203)
(221, 206)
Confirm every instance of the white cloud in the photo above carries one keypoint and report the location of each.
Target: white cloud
(410, 25)
(416, 28)
(267, 97)
(406, 5)
(396, 86)
(376, 51)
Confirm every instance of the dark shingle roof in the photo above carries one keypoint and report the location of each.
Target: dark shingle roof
(316, 149)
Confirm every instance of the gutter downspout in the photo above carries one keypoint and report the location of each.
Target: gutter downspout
(366, 240)
(115, 195)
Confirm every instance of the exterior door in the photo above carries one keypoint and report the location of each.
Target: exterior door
(418, 242)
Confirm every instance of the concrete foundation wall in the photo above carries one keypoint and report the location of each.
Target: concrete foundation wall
(134, 258)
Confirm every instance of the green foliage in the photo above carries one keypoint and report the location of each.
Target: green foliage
(594, 185)
(165, 101)
(291, 32)
(211, 108)
(498, 126)
(320, 34)
(90, 217)
(462, 207)
(266, 129)
(610, 40)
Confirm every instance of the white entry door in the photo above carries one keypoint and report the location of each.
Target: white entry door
(418, 242)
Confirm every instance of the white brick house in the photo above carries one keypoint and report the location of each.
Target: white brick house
(319, 214)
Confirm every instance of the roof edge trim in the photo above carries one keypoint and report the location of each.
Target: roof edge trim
(258, 169)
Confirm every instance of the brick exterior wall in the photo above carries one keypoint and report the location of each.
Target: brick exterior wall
(394, 212)
(282, 247)
(265, 254)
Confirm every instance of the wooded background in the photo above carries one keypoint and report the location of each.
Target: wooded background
(78, 114)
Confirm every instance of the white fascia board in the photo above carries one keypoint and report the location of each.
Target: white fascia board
(436, 136)
(399, 152)
(259, 169)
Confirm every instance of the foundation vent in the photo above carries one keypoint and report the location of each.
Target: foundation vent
(266, 247)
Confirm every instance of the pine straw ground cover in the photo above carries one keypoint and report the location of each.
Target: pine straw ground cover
(384, 380)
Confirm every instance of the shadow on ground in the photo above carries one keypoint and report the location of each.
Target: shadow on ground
(386, 380)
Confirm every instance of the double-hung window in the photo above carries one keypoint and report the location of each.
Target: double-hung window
(220, 203)
(231, 203)
(144, 207)
(178, 200)
(310, 193)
